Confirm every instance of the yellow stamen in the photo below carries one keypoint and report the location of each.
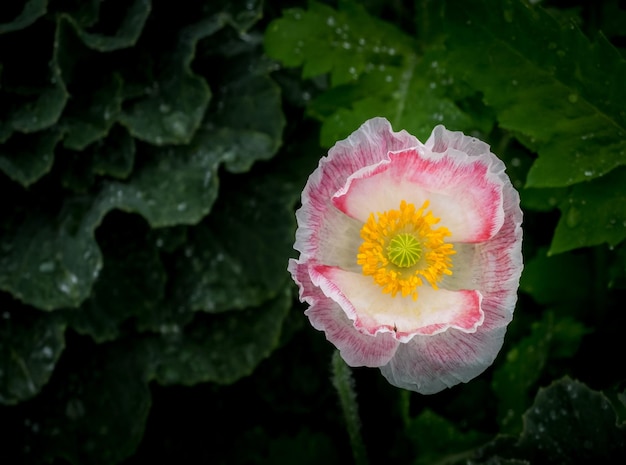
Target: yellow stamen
(401, 249)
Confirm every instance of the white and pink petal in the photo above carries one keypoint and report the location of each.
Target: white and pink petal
(461, 191)
(356, 348)
(374, 312)
(429, 364)
(367, 146)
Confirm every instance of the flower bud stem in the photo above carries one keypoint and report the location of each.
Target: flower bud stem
(344, 384)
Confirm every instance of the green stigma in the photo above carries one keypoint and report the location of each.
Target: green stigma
(404, 250)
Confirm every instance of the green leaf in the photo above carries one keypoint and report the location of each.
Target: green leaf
(570, 423)
(543, 200)
(33, 92)
(92, 113)
(50, 261)
(344, 43)
(176, 185)
(513, 381)
(375, 70)
(563, 93)
(95, 414)
(30, 345)
(564, 278)
(173, 106)
(248, 121)
(33, 9)
(131, 282)
(126, 32)
(412, 97)
(219, 348)
(438, 440)
(115, 155)
(240, 14)
(237, 257)
(593, 213)
(26, 158)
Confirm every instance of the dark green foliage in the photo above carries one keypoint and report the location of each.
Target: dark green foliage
(152, 154)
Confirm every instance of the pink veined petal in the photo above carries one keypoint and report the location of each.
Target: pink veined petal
(319, 223)
(500, 263)
(461, 191)
(429, 364)
(374, 312)
(440, 355)
(441, 140)
(356, 348)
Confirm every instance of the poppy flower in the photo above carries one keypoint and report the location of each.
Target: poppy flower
(410, 254)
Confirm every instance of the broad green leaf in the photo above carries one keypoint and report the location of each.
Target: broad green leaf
(95, 414)
(219, 348)
(26, 158)
(375, 70)
(344, 43)
(546, 82)
(130, 284)
(96, 91)
(33, 9)
(592, 213)
(570, 423)
(240, 14)
(543, 200)
(115, 155)
(33, 92)
(551, 280)
(50, 260)
(83, 12)
(92, 113)
(127, 31)
(178, 185)
(175, 185)
(30, 345)
(513, 381)
(172, 107)
(248, 121)
(438, 440)
(411, 97)
(237, 257)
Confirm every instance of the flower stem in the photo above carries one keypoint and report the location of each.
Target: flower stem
(344, 383)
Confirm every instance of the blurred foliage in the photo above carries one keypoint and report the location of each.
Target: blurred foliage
(152, 154)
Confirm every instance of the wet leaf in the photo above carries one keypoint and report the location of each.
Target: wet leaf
(33, 92)
(97, 413)
(115, 155)
(551, 337)
(593, 213)
(563, 278)
(26, 158)
(438, 440)
(130, 284)
(550, 84)
(173, 106)
(570, 423)
(30, 345)
(219, 348)
(374, 71)
(344, 42)
(33, 9)
(128, 29)
(51, 261)
(236, 258)
(91, 115)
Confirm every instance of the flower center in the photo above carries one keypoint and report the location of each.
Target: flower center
(404, 250)
(401, 249)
